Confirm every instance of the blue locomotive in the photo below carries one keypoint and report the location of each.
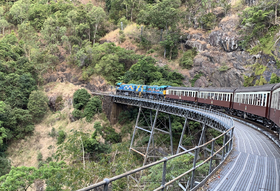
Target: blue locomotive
(145, 91)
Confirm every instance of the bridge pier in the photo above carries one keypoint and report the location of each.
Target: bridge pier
(154, 126)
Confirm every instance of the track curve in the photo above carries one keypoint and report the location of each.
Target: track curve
(254, 163)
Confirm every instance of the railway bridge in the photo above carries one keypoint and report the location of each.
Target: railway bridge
(254, 162)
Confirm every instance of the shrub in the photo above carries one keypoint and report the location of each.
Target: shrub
(53, 133)
(61, 137)
(93, 106)
(274, 79)
(81, 97)
(208, 21)
(77, 114)
(150, 51)
(187, 60)
(196, 77)
(223, 68)
(58, 103)
(37, 105)
(122, 36)
(39, 156)
(111, 135)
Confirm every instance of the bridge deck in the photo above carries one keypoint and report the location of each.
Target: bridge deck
(254, 163)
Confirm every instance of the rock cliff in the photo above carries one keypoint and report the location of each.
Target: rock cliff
(220, 61)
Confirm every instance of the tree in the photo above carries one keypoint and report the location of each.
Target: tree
(37, 105)
(19, 178)
(52, 31)
(110, 68)
(96, 15)
(81, 98)
(93, 106)
(19, 11)
(162, 15)
(3, 22)
(54, 174)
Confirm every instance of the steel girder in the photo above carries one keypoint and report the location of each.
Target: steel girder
(196, 114)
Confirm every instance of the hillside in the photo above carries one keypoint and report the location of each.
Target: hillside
(53, 54)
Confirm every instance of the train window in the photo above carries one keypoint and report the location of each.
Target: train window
(250, 99)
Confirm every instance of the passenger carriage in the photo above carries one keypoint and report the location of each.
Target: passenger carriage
(187, 94)
(253, 102)
(217, 97)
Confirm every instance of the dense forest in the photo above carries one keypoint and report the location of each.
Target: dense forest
(37, 36)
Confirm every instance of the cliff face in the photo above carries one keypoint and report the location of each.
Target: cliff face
(221, 61)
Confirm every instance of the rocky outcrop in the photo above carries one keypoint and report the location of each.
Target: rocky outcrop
(220, 60)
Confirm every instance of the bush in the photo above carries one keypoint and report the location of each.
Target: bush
(58, 103)
(274, 79)
(208, 21)
(111, 135)
(187, 60)
(39, 156)
(53, 133)
(61, 137)
(77, 114)
(224, 68)
(37, 105)
(93, 106)
(122, 36)
(81, 97)
(196, 77)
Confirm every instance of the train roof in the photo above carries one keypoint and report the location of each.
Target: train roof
(183, 88)
(217, 89)
(266, 87)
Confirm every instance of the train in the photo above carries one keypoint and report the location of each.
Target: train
(257, 103)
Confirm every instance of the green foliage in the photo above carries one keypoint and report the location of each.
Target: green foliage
(111, 136)
(259, 69)
(163, 14)
(5, 165)
(37, 105)
(208, 21)
(255, 20)
(61, 137)
(248, 80)
(145, 43)
(187, 60)
(261, 81)
(274, 79)
(39, 157)
(170, 44)
(122, 36)
(53, 133)
(223, 68)
(174, 167)
(93, 106)
(196, 77)
(266, 42)
(107, 132)
(20, 178)
(145, 72)
(77, 114)
(81, 98)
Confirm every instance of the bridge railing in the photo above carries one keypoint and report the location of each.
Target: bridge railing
(220, 153)
(225, 149)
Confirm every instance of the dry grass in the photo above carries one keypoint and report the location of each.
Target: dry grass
(24, 152)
